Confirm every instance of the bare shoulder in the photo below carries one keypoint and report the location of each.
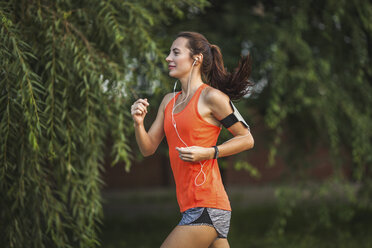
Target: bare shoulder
(166, 99)
(217, 102)
(213, 96)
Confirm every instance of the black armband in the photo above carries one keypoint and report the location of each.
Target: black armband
(233, 118)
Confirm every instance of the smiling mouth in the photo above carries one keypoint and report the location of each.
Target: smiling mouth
(170, 67)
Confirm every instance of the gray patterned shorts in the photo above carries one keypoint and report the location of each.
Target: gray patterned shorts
(217, 218)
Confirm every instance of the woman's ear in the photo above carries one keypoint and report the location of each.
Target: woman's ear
(198, 58)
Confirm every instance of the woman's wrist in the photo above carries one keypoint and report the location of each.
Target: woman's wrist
(137, 124)
(215, 152)
(211, 152)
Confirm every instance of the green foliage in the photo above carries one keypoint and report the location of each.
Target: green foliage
(315, 77)
(253, 172)
(251, 223)
(66, 71)
(319, 93)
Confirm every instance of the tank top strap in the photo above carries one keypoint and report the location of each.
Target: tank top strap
(195, 99)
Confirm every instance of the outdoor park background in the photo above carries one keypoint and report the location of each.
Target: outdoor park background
(71, 174)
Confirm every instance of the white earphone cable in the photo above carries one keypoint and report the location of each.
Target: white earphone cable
(175, 124)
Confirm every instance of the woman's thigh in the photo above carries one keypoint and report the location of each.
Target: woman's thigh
(220, 243)
(190, 236)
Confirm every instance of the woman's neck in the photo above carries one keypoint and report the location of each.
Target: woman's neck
(195, 82)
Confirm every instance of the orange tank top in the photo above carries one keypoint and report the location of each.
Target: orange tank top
(194, 131)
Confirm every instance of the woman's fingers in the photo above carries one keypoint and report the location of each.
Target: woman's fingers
(140, 106)
(187, 158)
(194, 153)
(186, 153)
(143, 101)
(184, 150)
(138, 110)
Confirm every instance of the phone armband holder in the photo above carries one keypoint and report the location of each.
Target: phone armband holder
(233, 118)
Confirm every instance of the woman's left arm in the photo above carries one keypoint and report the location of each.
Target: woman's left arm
(219, 104)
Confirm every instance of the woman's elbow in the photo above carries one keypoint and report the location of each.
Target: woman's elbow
(250, 143)
(145, 154)
(148, 152)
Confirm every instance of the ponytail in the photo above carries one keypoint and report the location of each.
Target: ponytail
(235, 84)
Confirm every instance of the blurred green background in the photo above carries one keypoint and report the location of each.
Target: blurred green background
(70, 70)
(144, 217)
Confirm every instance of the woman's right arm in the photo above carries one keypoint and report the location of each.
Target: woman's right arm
(149, 141)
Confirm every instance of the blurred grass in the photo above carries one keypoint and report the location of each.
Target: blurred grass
(144, 218)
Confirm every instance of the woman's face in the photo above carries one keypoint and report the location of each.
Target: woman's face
(179, 60)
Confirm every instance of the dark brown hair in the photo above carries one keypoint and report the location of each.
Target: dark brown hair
(235, 84)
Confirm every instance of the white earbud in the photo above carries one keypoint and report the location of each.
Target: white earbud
(195, 60)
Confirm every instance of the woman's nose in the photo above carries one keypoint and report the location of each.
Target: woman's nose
(168, 59)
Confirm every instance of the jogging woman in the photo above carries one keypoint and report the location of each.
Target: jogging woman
(191, 121)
